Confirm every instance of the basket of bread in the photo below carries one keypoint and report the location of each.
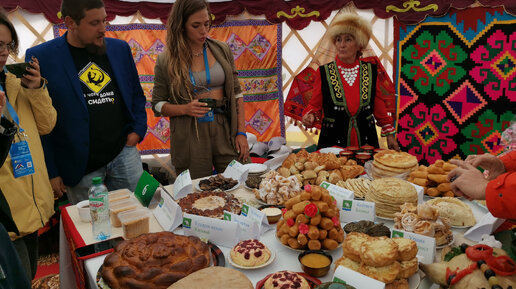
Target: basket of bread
(311, 221)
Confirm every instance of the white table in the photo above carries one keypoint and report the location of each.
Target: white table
(286, 259)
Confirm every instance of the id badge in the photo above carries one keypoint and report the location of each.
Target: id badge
(207, 117)
(21, 159)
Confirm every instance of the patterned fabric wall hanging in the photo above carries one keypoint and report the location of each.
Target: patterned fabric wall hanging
(456, 80)
(256, 47)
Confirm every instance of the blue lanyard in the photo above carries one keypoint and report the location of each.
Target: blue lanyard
(11, 110)
(206, 68)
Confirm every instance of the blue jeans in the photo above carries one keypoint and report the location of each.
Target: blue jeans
(123, 172)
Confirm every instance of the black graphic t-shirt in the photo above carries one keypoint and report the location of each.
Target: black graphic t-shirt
(108, 120)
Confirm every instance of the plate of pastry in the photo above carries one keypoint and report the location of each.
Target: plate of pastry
(217, 183)
(251, 254)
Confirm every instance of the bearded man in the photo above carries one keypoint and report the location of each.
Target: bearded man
(95, 89)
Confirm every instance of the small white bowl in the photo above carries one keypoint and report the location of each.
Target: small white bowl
(84, 211)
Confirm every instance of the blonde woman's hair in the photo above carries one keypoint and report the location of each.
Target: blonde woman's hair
(179, 52)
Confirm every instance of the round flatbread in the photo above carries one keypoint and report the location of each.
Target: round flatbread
(214, 278)
(392, 158)
(382, 167)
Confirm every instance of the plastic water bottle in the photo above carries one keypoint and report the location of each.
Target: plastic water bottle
(99, 209)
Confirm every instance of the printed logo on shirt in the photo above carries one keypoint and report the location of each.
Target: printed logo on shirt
(94, 77)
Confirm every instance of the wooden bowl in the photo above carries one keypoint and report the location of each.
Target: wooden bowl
(313, 262)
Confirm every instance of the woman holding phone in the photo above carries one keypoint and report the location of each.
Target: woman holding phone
(23, 176)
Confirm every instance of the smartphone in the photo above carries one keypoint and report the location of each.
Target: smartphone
(97, 249)
(18, 69)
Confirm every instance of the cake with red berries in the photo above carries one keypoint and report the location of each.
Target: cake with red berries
(250, 253)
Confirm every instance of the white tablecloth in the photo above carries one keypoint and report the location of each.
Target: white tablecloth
(286, 259)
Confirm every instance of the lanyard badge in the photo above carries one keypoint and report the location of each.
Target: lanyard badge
(209, 116)
(21, 158)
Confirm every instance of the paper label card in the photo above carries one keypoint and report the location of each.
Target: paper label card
(217, 231)
(420, 193)
(425, 245)
(338, 193)
(256, 215)
(236, 171)
(355, 279)
(167, 212)
(145, 188)
(487, 225)
(353, 210)
(249, 228)
(182, 185)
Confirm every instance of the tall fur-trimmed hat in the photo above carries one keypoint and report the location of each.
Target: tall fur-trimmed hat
(348, 23)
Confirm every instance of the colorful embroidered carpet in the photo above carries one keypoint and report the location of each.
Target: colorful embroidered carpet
(256, 46)
(456, 80)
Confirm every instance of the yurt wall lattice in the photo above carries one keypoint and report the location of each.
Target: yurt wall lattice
(299, 49)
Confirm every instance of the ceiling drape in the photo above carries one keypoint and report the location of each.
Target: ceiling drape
(296, 13)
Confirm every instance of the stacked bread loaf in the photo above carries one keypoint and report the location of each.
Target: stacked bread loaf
(433, 178)
(391, 261)
(311, 220)
(390, 163)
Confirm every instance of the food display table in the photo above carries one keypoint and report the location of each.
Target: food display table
(79, 234)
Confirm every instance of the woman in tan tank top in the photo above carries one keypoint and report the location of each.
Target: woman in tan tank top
(194, 68)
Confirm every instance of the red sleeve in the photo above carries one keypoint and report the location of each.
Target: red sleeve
(509, 161)
(501, 196)
(315, 104)
(384, 99)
